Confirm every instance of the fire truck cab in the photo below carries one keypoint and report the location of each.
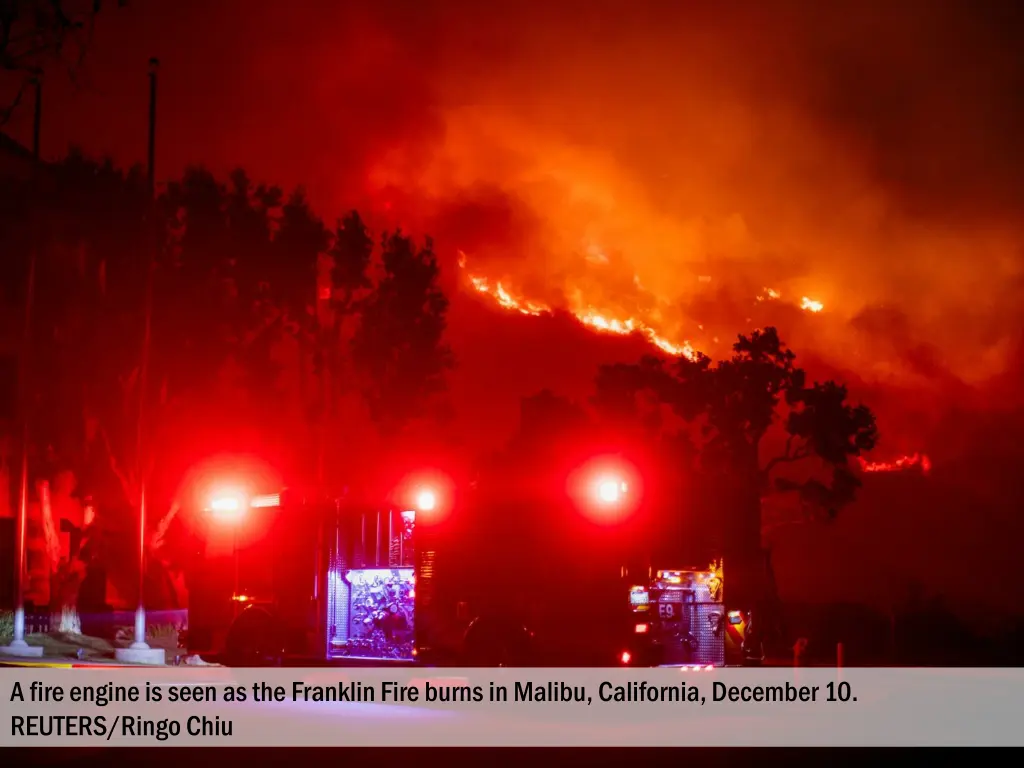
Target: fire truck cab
(681, 619)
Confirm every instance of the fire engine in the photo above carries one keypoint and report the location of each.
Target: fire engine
(442, 575)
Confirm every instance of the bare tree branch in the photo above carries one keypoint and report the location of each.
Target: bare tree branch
(6, 113)
(160, 534)
(789, 456)
(125, 479)
(36, 33)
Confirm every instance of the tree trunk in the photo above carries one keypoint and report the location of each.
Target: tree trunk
(65, 573)
(741, 546)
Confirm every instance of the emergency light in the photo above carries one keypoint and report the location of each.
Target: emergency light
(230, 507)
(426, 500)
(225, 504)
(610, 490)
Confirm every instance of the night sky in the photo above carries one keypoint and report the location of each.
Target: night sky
(864, 154)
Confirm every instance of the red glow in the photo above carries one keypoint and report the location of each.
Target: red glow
(626, 657)
(606, 489)
(641, 629)
(428, 492)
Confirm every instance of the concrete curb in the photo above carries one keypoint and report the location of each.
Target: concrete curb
(64, 664)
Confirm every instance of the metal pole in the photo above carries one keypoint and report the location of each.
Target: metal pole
(376, 544)
(18, 645)
(140, 612)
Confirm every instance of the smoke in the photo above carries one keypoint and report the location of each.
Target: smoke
(665, 159)
(864, 155)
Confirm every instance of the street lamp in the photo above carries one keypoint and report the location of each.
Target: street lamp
(139, 652)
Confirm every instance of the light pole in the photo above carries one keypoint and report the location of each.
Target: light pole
(18, 646)
(139, 652)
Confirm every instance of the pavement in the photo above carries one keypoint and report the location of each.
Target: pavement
(61, 661)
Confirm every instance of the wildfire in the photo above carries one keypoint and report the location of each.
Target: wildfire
(588, 317)
(807, 304)
(505, 299)
(898, 465)
(598, 321)
(603, 323)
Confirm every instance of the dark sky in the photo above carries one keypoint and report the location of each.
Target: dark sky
(867, 154)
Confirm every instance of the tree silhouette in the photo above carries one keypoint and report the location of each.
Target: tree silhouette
(546, 418)
(351, 254)
(245, 279)
(731, 408)
(399, 342)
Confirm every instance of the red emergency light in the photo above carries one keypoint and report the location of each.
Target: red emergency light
(610, 490)
(228, 507)
(428, 493)
(426, 500)
(606, 490)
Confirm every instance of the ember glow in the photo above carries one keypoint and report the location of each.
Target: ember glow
(909, 461)
(806, 304)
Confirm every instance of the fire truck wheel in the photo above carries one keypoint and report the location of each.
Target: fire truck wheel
(254, 641)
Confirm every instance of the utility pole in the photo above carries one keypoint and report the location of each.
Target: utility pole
(18, 646)
(139, 652)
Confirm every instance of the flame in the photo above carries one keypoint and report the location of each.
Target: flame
(588, 316)
(591, 318)
(505, 299)
(806, 304)
(898, 465)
